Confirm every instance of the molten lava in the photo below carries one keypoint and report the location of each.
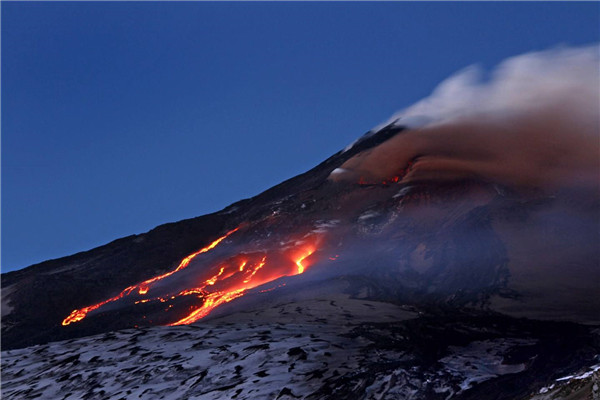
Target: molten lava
(258, 273)
(307, 253)
(223, 282)
(78, 315)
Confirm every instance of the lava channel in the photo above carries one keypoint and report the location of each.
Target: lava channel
(223, 281)
(242, 273)
(143, 287)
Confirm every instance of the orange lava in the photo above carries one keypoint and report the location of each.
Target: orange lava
(223, 282)
(307, 253)
(210, 302)
(78, 315)
(186, 261)
(228, 287)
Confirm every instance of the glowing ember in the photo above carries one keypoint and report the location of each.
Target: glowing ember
(271, 289)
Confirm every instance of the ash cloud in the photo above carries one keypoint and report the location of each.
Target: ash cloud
(534, 123)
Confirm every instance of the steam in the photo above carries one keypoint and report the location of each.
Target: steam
(534, 123)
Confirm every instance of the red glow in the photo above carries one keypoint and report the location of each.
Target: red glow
(272, 288)
(78, 315)
(394, 179)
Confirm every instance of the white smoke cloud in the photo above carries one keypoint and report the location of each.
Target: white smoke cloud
(525, 83)
(534, 123)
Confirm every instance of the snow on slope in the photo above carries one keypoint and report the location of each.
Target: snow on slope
(302, 349)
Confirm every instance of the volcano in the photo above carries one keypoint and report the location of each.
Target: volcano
(450, 253)
(184, 265)
(458, 284)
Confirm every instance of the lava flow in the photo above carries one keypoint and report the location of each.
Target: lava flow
(223, 281)
(78, 315)
(242, 273)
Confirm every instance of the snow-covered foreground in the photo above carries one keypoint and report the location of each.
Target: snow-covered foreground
(244, 361)
(216, 360)
(309, 349)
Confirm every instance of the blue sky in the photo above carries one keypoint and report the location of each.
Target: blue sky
(118, 117)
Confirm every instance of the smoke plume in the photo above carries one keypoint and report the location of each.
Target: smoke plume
(534, 123)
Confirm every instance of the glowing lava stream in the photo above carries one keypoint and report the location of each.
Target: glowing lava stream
(78, 315)
(215, 299)
(299, 261)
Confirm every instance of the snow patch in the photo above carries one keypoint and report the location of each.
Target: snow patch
(324, 226)
(482, 360)
(584, 375)
(368, 215)
(403, 192)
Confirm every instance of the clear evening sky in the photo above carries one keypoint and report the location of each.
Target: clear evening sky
(118, 117)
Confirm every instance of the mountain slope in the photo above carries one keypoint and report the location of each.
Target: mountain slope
(321, 289)
(39, 297)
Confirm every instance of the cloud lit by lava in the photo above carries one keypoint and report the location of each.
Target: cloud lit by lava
(534, 124)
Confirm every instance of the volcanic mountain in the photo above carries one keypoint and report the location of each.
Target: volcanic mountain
(274, 232)
(448, 256)
(458, 243)
(452, 255)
